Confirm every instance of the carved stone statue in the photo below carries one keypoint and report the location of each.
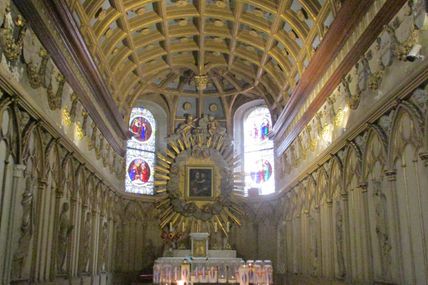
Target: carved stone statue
(313, 228)
(382, 229)
(214, 127)
(187, 126)
(64, 232)
(339, 242)
(216, 240)
(104, 246)
(27, 224)
(86, 244)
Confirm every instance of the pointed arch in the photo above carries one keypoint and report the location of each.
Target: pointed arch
(375, 149)
(352, 165)
(335, 187)
(403, 133)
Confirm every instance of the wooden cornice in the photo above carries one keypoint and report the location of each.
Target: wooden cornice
(107, 117)
(348, 18)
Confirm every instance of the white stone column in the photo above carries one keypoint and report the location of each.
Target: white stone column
(13, 224)
(369, 261)
(391, 176)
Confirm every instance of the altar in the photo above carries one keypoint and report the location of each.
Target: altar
(198, 264)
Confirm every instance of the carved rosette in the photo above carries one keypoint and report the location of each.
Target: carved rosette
(199, 140)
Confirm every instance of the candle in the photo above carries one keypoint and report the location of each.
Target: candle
(170, 227)
(183, 227)
(215, 226)
(227, 227)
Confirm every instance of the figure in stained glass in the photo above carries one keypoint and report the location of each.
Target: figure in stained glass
(258, 151)
(262, 171)
(139, 170)
(140, 128)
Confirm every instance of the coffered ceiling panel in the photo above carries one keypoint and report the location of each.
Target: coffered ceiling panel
(202, 48)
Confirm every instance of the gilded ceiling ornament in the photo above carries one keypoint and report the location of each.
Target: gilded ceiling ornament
(201, 81)
(12, 46)
(352, 100)
(196, 140)
(218, 23)
(55, 98)
(213, 107)
(141, 11)
(36, 73)
(182, 22)
(182, 3)
(187, 106)
(220, 4)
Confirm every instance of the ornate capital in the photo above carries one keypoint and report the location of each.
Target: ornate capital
(424, 157)
(363, 186)
(18, 170)
(391, 174)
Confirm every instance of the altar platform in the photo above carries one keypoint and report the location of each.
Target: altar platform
(213, 258)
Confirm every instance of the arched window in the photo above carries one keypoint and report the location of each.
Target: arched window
(140, 153)
(254, 124)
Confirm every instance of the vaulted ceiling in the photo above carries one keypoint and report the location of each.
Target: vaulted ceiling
(252, 48)
(278, 50)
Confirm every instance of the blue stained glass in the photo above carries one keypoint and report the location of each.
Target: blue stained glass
(257, 126)
(140, 156)
(258, 151)
(142, 130)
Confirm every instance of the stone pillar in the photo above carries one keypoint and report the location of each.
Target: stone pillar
(346, 240)
(367, 240)
(391, 176)
(17, 190)
(73, 239)
(41, 188)
(424, 158)
(332, 271)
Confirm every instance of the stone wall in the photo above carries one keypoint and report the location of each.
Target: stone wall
(354, 180)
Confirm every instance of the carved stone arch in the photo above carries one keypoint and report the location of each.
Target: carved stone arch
(353, 164)
(265, 212)
(103, 199)
(95, 195)
(32, 134)
(133, 211)
(52, 162)
(375, 133)
(415, 131)
(300, 201)
(322, 185)
(307, 195)
(314, 194)
(335, 185)
(12, 139)
(249, 212)
(68, 175)
(88, 189)
(80, 183)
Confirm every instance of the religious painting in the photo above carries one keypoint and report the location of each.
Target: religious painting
(140, 129)
(261, 172)
(200, 182)
(139, 171)
(199, 248)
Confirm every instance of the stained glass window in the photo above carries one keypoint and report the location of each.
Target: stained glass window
(140, 154)
(258, 151)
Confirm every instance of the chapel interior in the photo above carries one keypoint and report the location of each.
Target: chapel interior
(213, 141)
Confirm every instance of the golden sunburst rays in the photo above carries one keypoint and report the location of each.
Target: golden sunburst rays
(182, 223)
(185, 221)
